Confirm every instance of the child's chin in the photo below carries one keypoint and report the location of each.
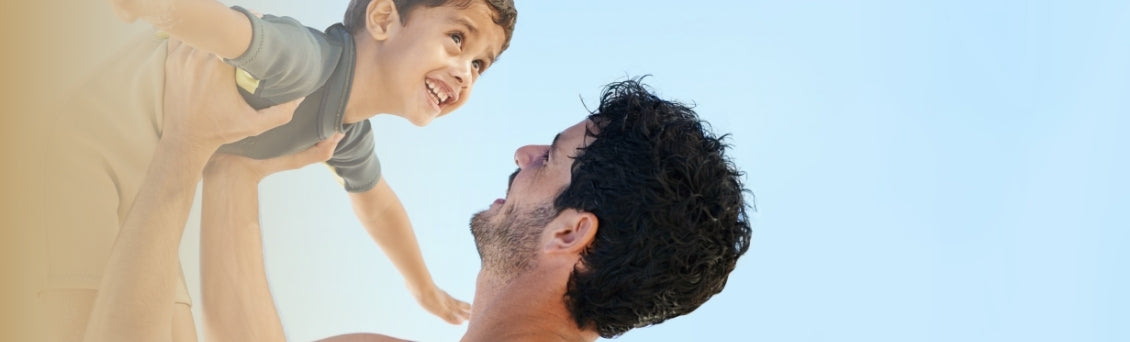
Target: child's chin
(420, 120)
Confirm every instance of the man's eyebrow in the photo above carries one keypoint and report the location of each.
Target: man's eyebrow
(553, 146)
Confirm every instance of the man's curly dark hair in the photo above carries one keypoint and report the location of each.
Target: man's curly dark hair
(670, 204)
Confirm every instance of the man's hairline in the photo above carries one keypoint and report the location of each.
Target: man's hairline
(592, 131)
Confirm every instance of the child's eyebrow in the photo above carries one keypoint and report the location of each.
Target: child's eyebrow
(466, 23)
(471, 29)
(492, 58)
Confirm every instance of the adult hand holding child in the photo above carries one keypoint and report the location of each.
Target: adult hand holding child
(142, 270)
(209, 124)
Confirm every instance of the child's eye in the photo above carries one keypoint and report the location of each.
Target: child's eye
(457, 38)
(477, 64)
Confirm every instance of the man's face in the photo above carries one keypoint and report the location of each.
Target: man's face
(432, 62)
(508, 233)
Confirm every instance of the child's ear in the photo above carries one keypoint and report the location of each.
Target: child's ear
(381, 19)
(576, 234)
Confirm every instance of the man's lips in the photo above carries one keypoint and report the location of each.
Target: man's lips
(511, 182)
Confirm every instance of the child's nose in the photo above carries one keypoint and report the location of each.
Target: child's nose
(462, 73)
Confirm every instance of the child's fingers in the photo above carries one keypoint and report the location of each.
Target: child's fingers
(453, 318)
(465, 309)
(457, 311)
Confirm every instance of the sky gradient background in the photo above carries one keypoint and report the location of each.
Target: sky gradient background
(936, 171)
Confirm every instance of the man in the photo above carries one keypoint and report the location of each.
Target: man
(630, 217)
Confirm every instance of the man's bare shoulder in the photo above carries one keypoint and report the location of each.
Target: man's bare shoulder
(362, 337)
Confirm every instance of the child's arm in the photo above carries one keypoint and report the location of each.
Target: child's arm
(384, 217)
(205, 24)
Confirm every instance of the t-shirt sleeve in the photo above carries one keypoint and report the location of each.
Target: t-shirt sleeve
(355, 159)
(288, 59)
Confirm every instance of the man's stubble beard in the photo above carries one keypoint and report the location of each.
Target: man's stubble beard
(509, 247)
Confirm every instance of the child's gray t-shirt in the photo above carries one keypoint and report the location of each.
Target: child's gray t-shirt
(291, 61)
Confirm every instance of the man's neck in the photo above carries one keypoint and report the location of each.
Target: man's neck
(530, 307)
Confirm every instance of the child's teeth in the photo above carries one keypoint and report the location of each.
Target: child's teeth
(441, 97)
(432, 91)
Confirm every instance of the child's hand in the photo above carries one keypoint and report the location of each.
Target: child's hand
(441, 304)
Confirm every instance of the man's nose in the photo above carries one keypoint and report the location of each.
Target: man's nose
(528, 154)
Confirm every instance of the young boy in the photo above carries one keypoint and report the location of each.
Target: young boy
(416, 59)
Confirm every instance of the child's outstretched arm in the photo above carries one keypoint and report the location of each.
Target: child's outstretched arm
(384, 217)
(204, 24)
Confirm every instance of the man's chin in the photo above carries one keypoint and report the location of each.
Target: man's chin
(479, 221)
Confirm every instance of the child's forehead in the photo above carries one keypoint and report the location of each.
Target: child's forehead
(477, 17)
(476, 8)
(478, 12)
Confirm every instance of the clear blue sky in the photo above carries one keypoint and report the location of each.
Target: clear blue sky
(924, 171)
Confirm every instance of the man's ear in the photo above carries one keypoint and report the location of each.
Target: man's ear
(576, 234)
(381, 19)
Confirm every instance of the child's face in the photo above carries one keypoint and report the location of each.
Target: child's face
(431, 63)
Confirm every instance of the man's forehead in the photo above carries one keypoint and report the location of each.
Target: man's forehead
(578, 129)
(573, 138)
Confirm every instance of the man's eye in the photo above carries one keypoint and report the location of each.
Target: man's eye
(545, 158)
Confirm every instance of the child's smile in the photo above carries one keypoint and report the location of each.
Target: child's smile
(424, 67)
(440, 94)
